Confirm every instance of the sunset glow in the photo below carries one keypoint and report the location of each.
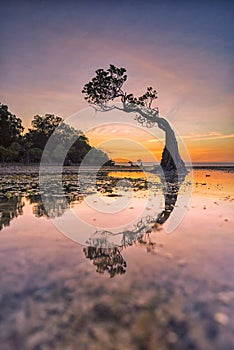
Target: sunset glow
(184, 50)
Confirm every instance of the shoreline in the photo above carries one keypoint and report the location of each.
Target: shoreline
(34, 168)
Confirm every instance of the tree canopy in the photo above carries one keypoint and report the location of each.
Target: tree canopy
(11, 127)
(28, 148)
(42, 129)
(107, 87)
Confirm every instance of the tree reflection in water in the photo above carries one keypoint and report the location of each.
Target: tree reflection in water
(55, 205)
(103, 257)
(106, 259)
(10, 208)
(171, 184)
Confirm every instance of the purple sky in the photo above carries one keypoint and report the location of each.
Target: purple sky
(184, 49)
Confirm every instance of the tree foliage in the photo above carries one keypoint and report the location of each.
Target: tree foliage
(11, 127)
(107, 85)
(42, 129)
(63, 134)
(15, 147)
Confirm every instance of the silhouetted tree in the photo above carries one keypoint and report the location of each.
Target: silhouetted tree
(107, 86)
(10, 135)
(29, 148)
(10, 127)
(42, 129)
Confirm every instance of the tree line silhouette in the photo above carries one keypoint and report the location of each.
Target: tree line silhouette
(17, 146)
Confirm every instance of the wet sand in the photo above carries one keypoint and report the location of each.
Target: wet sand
(177, 291)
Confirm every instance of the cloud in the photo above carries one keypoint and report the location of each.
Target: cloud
(213, 135)
(208, 136)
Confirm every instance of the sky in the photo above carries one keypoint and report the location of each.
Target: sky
(184, 49)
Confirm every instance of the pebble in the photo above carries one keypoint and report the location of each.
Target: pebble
(168, 256)
(172, 338)
(226, 297)
(221, 318)
(182, 263)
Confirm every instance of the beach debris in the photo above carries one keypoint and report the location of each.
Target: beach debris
(169, 256)
(221, 318)
(182, 263)
(226, 297)
(172, 337)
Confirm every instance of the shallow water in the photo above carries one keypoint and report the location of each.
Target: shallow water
(166, 291)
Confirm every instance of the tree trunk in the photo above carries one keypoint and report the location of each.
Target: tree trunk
(171, 159)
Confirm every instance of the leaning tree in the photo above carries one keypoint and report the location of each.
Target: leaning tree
(107, 86)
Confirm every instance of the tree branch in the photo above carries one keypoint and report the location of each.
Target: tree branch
(149, 114)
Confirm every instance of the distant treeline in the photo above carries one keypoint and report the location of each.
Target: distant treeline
(28, 148)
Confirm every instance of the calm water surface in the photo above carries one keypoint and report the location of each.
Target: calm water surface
(147, 290)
